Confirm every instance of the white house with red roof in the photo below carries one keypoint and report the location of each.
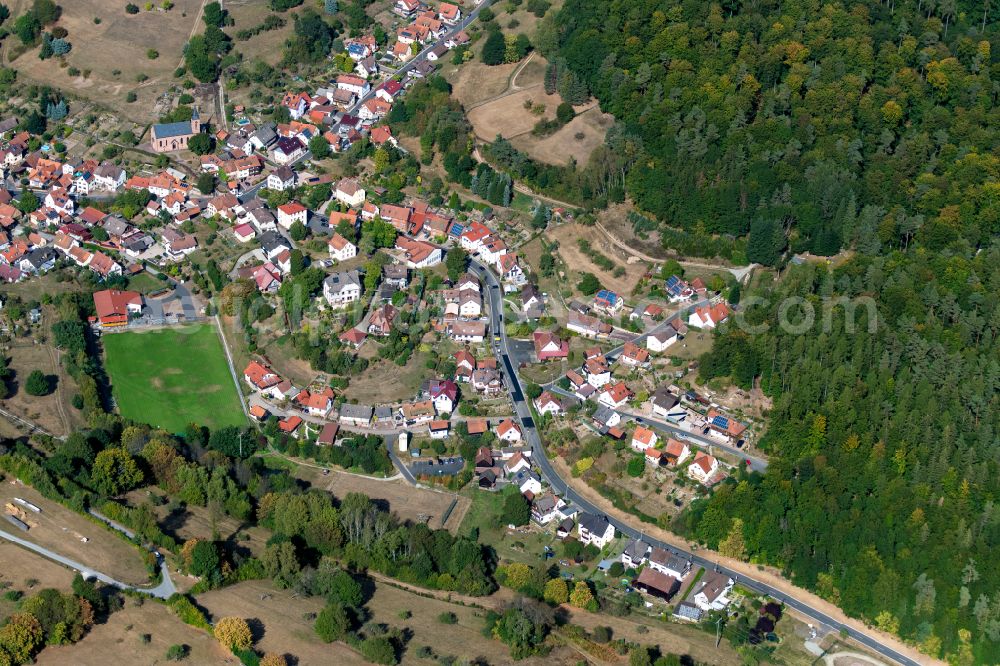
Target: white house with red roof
(547, 403)
(703, 468)
(389, 91)
(341, 249)
(643, 438)
(549, 346)
(260, 376)
(444, 394)
(615, 395)
(709, 317)
(508, 431)
(244, 233)
(292, 212)
(449, 13)
(353, 83)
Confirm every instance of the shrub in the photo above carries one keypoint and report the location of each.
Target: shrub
(234, 632)
(448, 618)
(131, 9)
(178, 652)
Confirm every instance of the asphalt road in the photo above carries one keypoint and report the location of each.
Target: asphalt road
(539, 458)
(162, 591)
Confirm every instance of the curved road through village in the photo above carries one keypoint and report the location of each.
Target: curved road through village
(500, 345)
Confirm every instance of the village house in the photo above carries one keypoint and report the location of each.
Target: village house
(676, 452)
(486, 381)
(281, 179)
(666, 405)
(389, 90)
(292, 212)
(546, 508)
(381, 320)
(467, 331)
(244, 233)
(449, 13)
(615, 395)
(728, 427)
(547, 403)
(508, 431)
(260, 376)
(668, 563)
(287, 150)
(598, 372)
(438, 429)
(595, 530)
(178, 245)
(659, 341)
(549, 346)
(328, 435)
(634, 356)
(711, 593)
(341, 249)
(656, 584)
(608, 302)
(444, 394)
(273, 244)
(703, 468)
(417, 413)
(349, 192)
(358, 416)
(527, 482)
(465, 364)
(589, 327)
(634, 555)
(343, 288)
(643, 438)
(290, 425)
(709, 317)
(114, 308)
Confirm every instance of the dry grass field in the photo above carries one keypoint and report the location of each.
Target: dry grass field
(508, 116)
(279, 618)
(571, 254)
(22, 566)
(404, 500)
(54, 412)
(473, 82)
(384, 381)
(114, 52)
(121, 636)
(63, 531)
(267, 45)
(577, 139)
(505, 100)
(284, 627)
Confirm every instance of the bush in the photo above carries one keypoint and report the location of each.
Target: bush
(131, 9)
(601, 634)
(178, 652)
(448, 618)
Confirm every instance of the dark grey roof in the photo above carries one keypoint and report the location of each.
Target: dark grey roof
(272, 240)
(356, 411)
(337, 282)
(603, 414)
(663, 398)
(594, 524)
(636, 549)
(40, 256)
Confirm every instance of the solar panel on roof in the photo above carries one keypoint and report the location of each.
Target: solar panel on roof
(720, 422)
(672, 281)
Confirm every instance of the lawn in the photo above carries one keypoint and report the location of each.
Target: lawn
(171, 377)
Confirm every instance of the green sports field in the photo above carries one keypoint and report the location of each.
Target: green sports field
(171, 377)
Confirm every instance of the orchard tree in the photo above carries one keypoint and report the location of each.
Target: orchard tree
(556, 591)
(332, 623)
(234, 633)
(115, 472)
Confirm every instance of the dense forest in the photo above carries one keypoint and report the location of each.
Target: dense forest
(881, 493)
(831, 124)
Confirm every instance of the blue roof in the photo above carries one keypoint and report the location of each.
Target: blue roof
(720, 422)
(167, 130)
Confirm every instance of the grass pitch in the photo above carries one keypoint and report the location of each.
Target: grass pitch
(171, 377)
